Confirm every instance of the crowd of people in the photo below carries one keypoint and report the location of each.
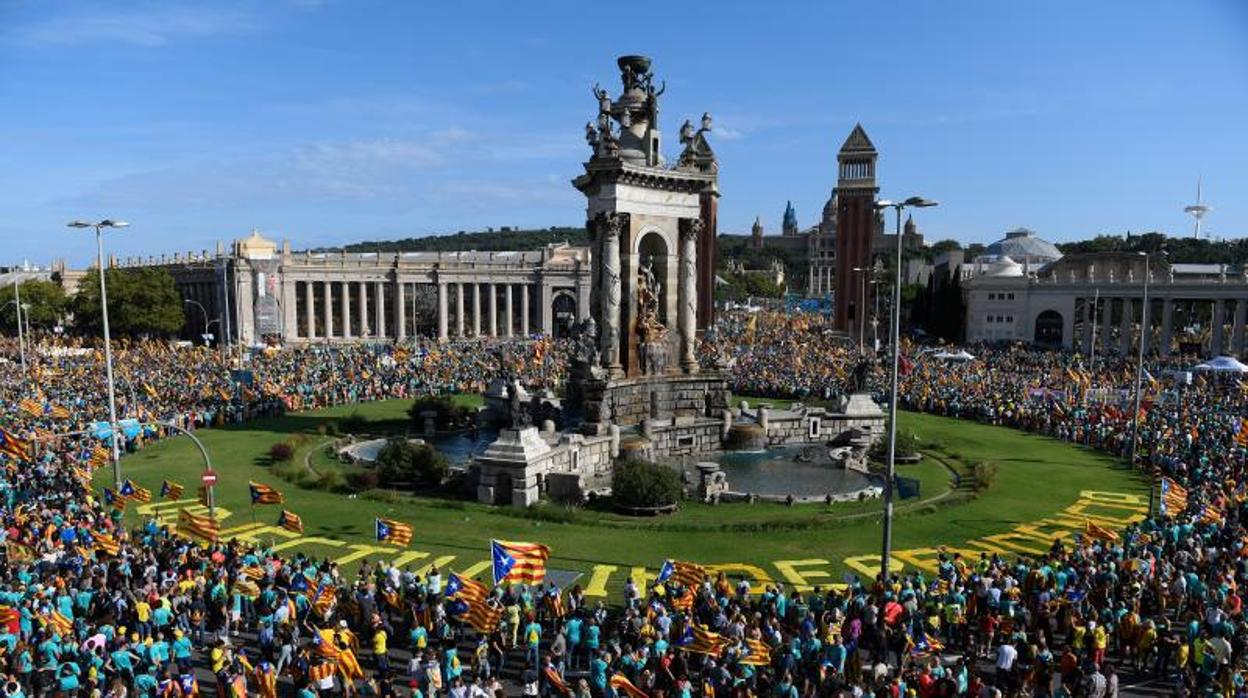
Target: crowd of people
(90, 606)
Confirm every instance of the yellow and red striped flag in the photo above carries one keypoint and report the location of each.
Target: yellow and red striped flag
(34, 408)
(108, 544)
(620, 682)
(758, 654)
(14, 446)
(59, 623)
(171, 490)
(99, 457)
(263, 494)
(290, 521)
(518, 563)
(1173, 497)
(198, 525)
(391, 531)
(470, 599)
(1096, 532)
(684, 573)
(701, 640)
(59, 412)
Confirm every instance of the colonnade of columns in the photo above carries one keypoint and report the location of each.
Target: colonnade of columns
(386, 309)
(820, 279)
(1098, 317)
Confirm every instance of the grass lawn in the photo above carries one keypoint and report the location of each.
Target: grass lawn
(1037, 477)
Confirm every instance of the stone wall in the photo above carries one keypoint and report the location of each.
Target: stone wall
(629, 401)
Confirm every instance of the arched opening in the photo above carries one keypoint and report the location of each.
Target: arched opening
(1049, 328)
(563, 310)
(652, 255)
(502, 488)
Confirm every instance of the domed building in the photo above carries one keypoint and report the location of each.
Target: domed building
(1024, 247)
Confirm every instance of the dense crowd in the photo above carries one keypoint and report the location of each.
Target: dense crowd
(89, 607)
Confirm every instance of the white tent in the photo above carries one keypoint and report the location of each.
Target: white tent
(1222, 364)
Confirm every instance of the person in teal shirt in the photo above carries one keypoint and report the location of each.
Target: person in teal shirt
(598, 672)
(532, 640)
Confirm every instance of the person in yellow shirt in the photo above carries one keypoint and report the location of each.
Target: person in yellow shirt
(1100, 642)
(219, 657)
(143, 612)
(380, 651)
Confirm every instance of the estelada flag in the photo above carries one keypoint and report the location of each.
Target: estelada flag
(171, 490)
(684, 573)
(263, 494)
(470, 599)
(758, 653)
(520, 563)
(701, 640)
(391, 531)
(133, 491)
(59, 412)
(31, 407)
(620, 682)
(290, 521)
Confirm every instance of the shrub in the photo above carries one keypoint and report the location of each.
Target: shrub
(363, 480)
(640, 483)
(908, 444)
(281, 452)
(985, 475)
(331, 481)
(447, 414)
(401, 461)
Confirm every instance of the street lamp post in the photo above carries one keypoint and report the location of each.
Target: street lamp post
(207, 323)
(912, 202)
(17, 308)
(108, 350)
(1139, 380)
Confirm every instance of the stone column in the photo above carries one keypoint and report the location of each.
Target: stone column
(508, 316)
(379, 312)
(612, 291)
(459, 310)
(1124, 331)
(346, 309)
(400, 310)
(1237, 327)
(1089, 320)
(328, 293)
(493, 301)
(362, 297)
(309, 309)
(441, 311)
(1219, 315)
(290, 313)
(1107, 313)
(476, 309)
(583, 294)
(548, 314)
(1167, 326)
(687, 294)
(524, 310)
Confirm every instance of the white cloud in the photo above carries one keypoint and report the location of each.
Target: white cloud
(157, 26)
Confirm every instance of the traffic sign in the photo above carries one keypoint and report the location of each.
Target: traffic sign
(209, 478)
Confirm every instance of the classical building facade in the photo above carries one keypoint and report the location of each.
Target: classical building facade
(1094, 302)
(278, 296)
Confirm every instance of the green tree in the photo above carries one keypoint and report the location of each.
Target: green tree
(640, 483)
(402, 462)
(45, 301)
(141, 301)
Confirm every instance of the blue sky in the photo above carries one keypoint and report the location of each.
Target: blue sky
(334, 121)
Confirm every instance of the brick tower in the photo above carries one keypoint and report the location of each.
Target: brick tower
(855, 227)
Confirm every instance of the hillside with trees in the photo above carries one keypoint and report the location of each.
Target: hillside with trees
(505, 238)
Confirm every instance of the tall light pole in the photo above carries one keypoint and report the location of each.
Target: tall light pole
(17, 309)
(108, 349)
(912, 202)
(1139, 380)
(203, 310)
